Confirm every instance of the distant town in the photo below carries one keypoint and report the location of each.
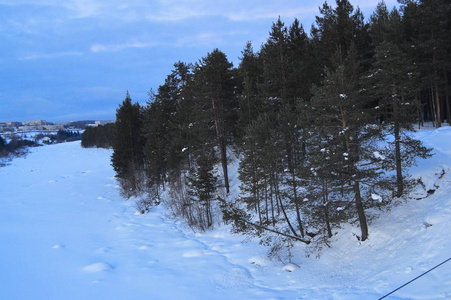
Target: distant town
(42, 125)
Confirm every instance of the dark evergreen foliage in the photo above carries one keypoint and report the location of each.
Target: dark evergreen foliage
(66, 136)
(2, 144)
(320, 122)
(14, 145)
(100, 136)
(128, 156)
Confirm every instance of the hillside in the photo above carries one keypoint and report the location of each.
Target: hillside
(67, 234)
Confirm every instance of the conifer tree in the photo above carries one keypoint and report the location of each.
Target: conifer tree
(128, 157)
(250, 76)
(299, 69)
(202, 187)
(345, 115)
(253, 172)
(340, 28)
(392, 83)
(275, 66)
(182, 141)
(216, 102)
(100, 136)
(2, 143)
(291, 142)
(426, 29)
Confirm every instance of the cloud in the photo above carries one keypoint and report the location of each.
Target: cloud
(118, 47)
(236, 10)
(84, 8)
(50, 55)
(80, 8)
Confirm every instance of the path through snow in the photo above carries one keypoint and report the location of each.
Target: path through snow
(66, 234)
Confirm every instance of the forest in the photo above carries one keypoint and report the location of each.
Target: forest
(318, 122)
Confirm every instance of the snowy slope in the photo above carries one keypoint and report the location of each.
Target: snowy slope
(65, 233)
(404, 242)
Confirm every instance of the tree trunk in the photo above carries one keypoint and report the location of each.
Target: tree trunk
(266, 205)
(356, 186)
(296, 203)
(434, 111)
(448, 110)
(219, 126)
(437, 104)
(397, 130)
(257, 207)
(295, 237)
(326, 208)
(291, 165)
(436, 94)
(272, 208)
(360, 212)
(285, 215)
(420, 114)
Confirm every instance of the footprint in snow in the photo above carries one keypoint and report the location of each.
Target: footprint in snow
(98, 267)
(103, 250)
(289, 267)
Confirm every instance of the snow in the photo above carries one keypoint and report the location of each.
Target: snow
(378, 155)
(66, 233)
(98, 267)
(376, 197)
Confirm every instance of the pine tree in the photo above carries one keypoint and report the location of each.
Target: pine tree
(291, 144)
(426, 27)
(340, 28)
(2, 144)
(182, 141)
(128, 157)
(393, 84)
(100, 136)
(275, 66)
(253, 172)
(216, 102)
(434, 15)
(262, 176)
(250, 76)
(202, 184)
(345, 116)
(299, 68)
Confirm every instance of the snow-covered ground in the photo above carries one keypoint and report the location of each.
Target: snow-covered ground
(65, 233)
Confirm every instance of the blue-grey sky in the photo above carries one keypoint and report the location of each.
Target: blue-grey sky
(75, 59)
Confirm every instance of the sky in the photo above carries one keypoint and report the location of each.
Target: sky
(73, 60)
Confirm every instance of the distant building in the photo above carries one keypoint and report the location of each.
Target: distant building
(35, 123)
(98, 123)
(54, 127)
(26, 128)
(13, 124)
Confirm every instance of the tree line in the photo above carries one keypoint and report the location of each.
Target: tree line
(100, 136)
(318, 122)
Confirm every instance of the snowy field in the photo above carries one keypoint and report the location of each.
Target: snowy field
(65, 233)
